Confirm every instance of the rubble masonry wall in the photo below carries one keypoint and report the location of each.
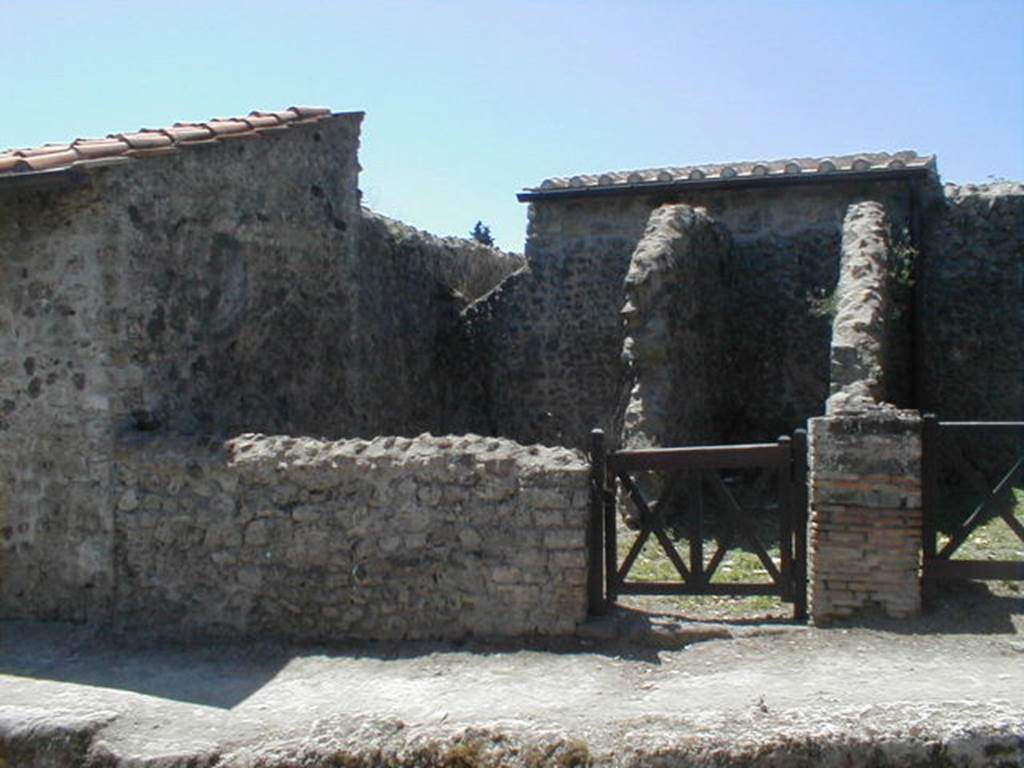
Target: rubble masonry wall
(972, 291)
(674, 317)
(428, 537)
(546, 345)
(199, 291)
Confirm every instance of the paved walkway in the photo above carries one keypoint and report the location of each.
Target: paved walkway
(796, 693)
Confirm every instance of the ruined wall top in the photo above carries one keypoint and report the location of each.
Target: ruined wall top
(995, 189)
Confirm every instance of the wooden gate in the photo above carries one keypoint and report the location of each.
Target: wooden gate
(942, 452)
(691, 471)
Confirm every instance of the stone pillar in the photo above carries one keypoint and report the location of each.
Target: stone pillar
(865, 516)
(860, 327)
(674, 319)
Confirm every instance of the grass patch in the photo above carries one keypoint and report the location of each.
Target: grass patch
(740, 566)
(994, 540)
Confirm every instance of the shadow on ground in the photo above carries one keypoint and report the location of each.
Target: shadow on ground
(220, 673)
(958, 607)
(90, 656)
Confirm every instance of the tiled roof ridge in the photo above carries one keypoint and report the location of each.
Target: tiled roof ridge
(153, 141)
(855, 163)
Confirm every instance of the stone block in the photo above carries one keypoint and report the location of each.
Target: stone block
(543, 498)
(563, 538)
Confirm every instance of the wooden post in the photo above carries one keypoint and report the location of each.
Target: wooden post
(930, 436)
(611, 539)
(696, 499)
(597, 605)
(786, 475)
(799, 506)
(929, 481)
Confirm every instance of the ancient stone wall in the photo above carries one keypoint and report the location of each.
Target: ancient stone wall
(464, 265)
(201, 290)
(218, 288)
(56, 377)
(541, 352)
(674, 318)
(971, 294)
(548, 344)
(430, 537)
(409, 288)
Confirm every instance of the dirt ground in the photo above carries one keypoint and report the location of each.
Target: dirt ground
(948, 687)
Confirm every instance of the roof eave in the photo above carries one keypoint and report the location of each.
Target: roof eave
(51, 178)
(741, 182)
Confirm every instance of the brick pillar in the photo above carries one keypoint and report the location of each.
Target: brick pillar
(865, 518)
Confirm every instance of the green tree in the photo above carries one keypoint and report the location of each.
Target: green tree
(482, 234)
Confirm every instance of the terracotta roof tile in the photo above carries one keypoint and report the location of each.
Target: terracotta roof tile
(43, 162)
(306, 112)
(285, 116)
(93, 148)
(144, 139)
(182, 132)
(261, 121)
(46, 149)
(223, 126)
(148, 142)
(878, 162)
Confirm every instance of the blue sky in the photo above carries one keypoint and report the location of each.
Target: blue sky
(468, 102)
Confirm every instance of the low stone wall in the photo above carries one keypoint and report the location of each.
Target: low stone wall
(865, 530)
(431, 537)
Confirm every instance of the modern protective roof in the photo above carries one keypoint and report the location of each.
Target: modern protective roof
(159, 141)
(865, 164)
